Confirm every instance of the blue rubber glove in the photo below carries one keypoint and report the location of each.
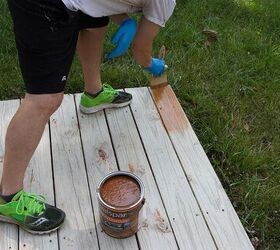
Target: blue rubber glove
(123, 38)
(157, 67)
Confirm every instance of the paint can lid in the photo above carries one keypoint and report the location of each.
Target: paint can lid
(121, 190)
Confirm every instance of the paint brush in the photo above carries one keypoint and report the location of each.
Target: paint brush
(167, 103)
(161, 81)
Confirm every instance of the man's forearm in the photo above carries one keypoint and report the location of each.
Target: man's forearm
(143, 42)
(142, 55)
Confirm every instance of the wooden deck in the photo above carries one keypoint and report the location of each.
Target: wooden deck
(186, 208)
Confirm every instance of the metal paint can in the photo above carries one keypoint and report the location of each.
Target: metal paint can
(121, 198)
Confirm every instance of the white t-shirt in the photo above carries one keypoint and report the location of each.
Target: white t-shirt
(156, 11)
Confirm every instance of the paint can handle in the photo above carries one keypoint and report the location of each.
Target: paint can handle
(143, 201)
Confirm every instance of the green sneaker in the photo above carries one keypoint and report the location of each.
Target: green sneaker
(108, 98)
(31, 213)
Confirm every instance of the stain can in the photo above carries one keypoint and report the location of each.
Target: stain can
(121, 198)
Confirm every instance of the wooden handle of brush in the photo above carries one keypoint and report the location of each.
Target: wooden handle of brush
(162, 52)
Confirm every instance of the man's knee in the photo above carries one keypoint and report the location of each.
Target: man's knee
(45, 103)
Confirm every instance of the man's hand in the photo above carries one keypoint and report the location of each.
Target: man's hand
(123, 38)
(157, 67)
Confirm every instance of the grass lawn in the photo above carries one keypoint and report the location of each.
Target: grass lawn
(230, 92)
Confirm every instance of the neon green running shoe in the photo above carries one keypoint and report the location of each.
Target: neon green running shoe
(108, 98)
(31, 213)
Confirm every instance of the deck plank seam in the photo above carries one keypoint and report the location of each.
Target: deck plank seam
(18, 229)
(152, 171)
(54, 190)
(111, 140)
(18, 237)
(86, 169)
(118, 164)
(187, 179)
(95, 134)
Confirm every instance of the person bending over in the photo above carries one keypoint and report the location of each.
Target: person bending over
(47, 33)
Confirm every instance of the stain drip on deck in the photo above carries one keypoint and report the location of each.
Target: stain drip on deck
(161, 223)
(32, 178)
(102, 154)
(136, 169)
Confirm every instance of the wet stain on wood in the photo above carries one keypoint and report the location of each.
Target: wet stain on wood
(68, 239)
(136, 169)
(161, 223)
(131, 168)
(171, 112)
(71, 132)
(32, 178)
(189, 177)
(102, 154)
(145, 224)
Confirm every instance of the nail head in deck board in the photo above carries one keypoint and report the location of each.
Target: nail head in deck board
(191, 231)
(95, 137)
(225, 225)
(131, 157)
(8, 232)
(71, 184)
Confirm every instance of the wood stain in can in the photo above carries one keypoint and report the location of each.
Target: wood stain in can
(121, 197)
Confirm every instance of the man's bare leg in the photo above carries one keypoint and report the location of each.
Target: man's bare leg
(23, 136)
(90, 47)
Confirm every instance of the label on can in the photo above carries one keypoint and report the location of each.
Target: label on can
(112, 214)
(116, 226)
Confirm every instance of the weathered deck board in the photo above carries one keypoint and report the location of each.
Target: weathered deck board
(100, 161)
(71, 186)
(184, 213)
(156, 232)
(152, 139)
(8, 233)
(220, 215)
(38, 171)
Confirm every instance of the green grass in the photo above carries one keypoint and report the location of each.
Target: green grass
(229, 91)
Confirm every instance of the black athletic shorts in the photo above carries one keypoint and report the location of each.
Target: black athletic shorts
(46, 34)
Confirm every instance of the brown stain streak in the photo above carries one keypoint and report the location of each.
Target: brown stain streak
(32, 178)
(136, 169)
(171, 112)
(161, 223)
(145, 224)
(131, 168)
(102, 154)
